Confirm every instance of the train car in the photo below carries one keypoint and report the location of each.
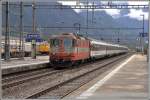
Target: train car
(100, 49)
(69, 48)
(27, 49)
(14, 49)
(43, 48)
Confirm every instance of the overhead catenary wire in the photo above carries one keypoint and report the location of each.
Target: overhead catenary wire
(96, 6)
(99, 28)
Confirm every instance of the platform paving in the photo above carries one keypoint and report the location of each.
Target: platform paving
(16, 64)
(130, 82)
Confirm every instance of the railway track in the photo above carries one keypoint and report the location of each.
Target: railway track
(61, 90)
(10, 77)
(13, 81)
(59, 84)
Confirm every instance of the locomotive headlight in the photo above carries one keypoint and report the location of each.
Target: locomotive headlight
(53, 53)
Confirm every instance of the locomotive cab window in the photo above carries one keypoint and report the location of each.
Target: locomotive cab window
(68, 42)
(55, 42)
(74, 42)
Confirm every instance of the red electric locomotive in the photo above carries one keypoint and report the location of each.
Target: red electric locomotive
(68, 48)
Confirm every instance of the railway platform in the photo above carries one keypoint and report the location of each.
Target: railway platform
(128, 80)
(16, 65)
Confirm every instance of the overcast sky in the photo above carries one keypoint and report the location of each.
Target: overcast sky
(116, 13)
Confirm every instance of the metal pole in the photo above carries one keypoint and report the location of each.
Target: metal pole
(143, 33)
(87, 19)
(143, 23)
(21, 32)
(34, 30)
(0, 44)
(33, 16)
(140, 43)
(7, 46)
(93, 14)
(77, 2)
(148, 36)
(23, 53)
(149, 55)
(118, 38)
(143, 37)
(79, 28)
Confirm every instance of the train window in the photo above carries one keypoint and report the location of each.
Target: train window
(68, 45)
(74, 42)
(55, 42)
(67, 42)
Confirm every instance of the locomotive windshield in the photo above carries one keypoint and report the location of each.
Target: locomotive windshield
(65, 43)
(55, 42)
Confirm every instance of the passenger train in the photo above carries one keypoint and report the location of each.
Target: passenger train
(69, 48)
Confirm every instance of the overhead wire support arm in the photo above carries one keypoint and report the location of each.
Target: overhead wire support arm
(93, 6)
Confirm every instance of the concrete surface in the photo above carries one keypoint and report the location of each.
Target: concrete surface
(129, 83)
(16, 65)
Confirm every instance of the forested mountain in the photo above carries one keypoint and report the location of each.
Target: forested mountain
(54, 21)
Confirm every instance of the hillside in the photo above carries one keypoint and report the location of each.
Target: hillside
(47, 21)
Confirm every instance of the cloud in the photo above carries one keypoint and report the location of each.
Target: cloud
(124, 12)
(138, 2)
(67, 2)
(136, 14)
(112, 12)
(71, 3)
(115, 13)
(132, 13)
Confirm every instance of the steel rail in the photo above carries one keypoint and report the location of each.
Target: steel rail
(26, 79)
